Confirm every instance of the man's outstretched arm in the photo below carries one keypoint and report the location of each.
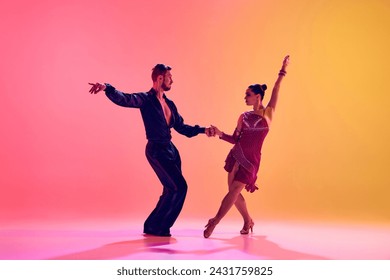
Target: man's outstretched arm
(133, 100)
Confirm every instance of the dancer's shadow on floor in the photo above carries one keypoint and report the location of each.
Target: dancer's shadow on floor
(262, 248)
(259, 247)
(256, 247)
(119, 249)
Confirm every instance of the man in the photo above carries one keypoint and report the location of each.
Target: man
(159, 115)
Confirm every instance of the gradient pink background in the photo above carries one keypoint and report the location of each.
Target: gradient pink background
(68, 155)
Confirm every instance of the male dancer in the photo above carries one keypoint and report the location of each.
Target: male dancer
(159, 115)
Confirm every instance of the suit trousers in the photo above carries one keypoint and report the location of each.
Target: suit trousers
(166, 163)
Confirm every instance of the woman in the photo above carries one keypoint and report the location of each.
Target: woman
(243, 160)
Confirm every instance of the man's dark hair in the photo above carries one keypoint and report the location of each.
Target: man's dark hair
(159, 69)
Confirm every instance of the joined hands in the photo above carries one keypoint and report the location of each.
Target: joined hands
(213, 131)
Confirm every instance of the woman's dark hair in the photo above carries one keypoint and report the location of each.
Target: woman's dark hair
(159, 69)
(258, 89)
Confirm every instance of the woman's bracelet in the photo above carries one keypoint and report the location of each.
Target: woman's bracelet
(282, 72)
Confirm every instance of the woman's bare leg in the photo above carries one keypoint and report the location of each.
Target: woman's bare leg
(240, 201)
(229, 199)
(241, 207)
(235, 188)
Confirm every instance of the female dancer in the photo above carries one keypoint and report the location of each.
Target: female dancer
(243, 160)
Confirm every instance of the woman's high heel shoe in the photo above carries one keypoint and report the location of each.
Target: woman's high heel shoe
(209, 228)
(247, 226)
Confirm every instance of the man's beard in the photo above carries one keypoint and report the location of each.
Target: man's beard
(165, 87)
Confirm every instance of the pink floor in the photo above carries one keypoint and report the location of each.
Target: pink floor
(271, 240)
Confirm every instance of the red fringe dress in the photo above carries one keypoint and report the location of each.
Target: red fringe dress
(247, 149)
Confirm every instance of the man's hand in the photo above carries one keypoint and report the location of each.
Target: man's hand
(96, 87)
